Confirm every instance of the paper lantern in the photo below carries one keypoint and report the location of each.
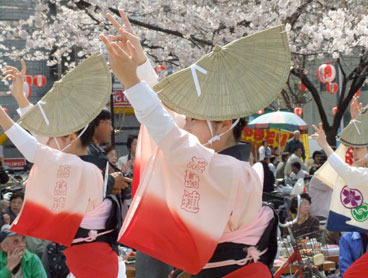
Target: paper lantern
(29, 79)
(5, 110)
(301, 86)
(298, 111)
(260, 112)
(332, 88)
(357, 93)
(326, 73)
(334, 110)
(27, 90)
(39, 80)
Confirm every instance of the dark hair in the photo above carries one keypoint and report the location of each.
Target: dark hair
(294, 202)
(263, 142)
(316, 153)
(105, 114)
(237, 130)
(272, 158)
(284, 155)
(108, 148)
(16, 195)
(87, 136)
(297, 165)
(297, 148)
(130, 140)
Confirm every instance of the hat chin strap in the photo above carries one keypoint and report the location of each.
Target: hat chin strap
(71, 143)
(218, 137)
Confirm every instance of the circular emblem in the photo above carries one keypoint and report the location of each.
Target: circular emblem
(360, 213)
(351, 198)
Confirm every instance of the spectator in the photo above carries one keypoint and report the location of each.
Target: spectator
(296, 172)
(269, 179)
(306, 223)
(102, 133)
(317, 162)
(321, 195)
(295, 157)
(352, 246)
(110, 154)
(294, 143)
(10, 213)
(264, 151)
(3, 175)
(126, 163)
(272, 165)
(15, 260)
(280, 169)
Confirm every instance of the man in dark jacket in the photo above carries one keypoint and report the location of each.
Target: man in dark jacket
(294, 143)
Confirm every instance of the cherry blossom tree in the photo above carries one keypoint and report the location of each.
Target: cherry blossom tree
(176, 33)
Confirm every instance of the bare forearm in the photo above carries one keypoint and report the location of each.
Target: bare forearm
(327, 148)
(5, 121)
(22, 101)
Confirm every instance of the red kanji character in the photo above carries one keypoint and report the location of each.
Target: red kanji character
(283, 139)
(248, 132)
(197, 164)
(191, 179)
(349, 156)
(58, 204)
(63, 172)
(190, 201)
(258, 134)
(270, 137)
(61, 188)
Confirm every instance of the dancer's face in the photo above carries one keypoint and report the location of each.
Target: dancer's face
(198, 128)
(359, 153)
(60, 142)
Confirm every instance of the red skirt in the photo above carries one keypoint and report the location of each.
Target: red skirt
(92, 260)
(358, 269)
(253, 270)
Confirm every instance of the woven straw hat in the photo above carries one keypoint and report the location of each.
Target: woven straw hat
(73, 102)
(355, 134)
(232, 81)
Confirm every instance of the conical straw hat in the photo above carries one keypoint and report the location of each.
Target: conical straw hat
(73, 102)
(355, 134)
(242, 77)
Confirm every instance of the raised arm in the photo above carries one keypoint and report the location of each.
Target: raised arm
(147, 106)
(343, 169)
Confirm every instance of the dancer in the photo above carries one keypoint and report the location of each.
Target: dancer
(64, 197)
(195, 208)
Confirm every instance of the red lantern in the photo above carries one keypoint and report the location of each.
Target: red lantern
(301, 86)
(260, 112)
(29, 79)
(5, 110)
(332, 88)
(298, 110)
(27, 90)
(357, 93)
(334, 110)
(39, 80)
(326, 73)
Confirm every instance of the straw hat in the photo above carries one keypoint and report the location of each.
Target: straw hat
(232, 81)
(73, 102)
(355, 134)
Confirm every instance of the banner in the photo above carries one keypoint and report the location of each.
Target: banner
(305, 141)
(274, 137)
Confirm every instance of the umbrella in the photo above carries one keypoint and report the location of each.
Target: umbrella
(280, 120)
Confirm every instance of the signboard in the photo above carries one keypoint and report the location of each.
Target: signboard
(274, 137)
(15, 163)
(121, 103)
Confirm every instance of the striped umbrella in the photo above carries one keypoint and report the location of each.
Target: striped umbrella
(280, 120)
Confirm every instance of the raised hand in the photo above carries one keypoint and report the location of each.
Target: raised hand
(126, 33)
(355, 108)
(18, 78)
(320, 135)
(123, 64)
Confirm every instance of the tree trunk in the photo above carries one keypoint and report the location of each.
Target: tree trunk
(331, 136)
